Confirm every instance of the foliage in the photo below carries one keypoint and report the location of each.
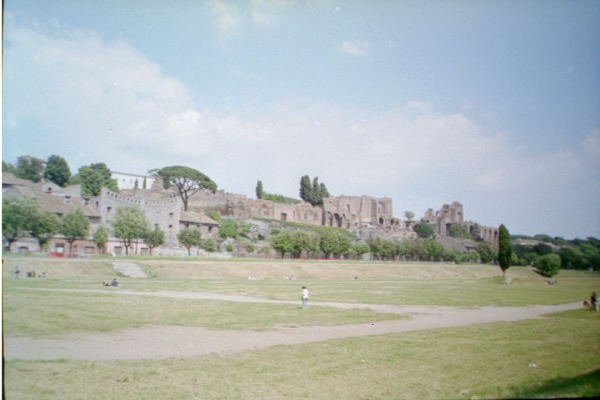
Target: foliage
(130, 224)
(424, 230)
(43, 226)
(8, 167)
(548, 264)
(16, 217)
(57, 170)
(486, 253)
(459, 231)
(434, 249)
(186, 180)
(574, 254)
(154, 238)
(213, 214)
(190, 237)
(30, 168)
(334, 242)
(259, 190)
(409, 215)
(75, 226)
(101, 237)
(504, 249)
(94, 177)
(228, 228)
(278, 198)
(313, 193)
(209, 245)
(282, 242)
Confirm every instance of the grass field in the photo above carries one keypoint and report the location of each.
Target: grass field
(556, 356)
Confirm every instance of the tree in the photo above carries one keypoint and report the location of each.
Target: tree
(333, 242)
(324, 193)
(459, 231)
(314, 192)
(259, 190)
(94, 177)
(8, 167)
(189, 237)
(547, 265)
(129, 224)
(301, 241)
(186, 180)
(317, 200)
(433, 249)
(16, 217)
(30, 168)
(154, 238)
(57, 170)
(209, 245)
(409, 215)
(486, 253)
(305, 188)
(101, 238)
(43, 226)
(424, 231)
(74, 226)
(228, 228)
(504, 250)
(282, 242)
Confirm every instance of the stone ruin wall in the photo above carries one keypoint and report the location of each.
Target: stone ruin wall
(356, 213)
(160, 209)
(365, 215)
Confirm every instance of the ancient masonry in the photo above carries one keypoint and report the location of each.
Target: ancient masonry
(366, 216)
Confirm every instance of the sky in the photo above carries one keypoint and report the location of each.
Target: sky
(495, 104)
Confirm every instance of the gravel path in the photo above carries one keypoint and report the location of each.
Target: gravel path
(176, 341)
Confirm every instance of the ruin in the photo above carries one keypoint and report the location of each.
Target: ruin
(366, 216)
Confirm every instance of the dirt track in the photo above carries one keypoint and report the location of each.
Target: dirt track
(176, 341)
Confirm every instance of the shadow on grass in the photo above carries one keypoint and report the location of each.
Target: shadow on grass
(582, 386)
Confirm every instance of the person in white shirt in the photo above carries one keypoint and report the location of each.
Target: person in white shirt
(304, 298)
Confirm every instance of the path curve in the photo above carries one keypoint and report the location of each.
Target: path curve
(159, 342)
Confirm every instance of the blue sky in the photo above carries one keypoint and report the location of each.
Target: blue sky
(493, 103)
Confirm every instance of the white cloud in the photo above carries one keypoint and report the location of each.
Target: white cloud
(228, 16)
(358, 48)
(105, 101)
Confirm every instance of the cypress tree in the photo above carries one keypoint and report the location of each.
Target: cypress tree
(504, 250)
(305, 188)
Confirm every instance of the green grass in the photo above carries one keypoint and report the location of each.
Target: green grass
(487, 361)
(43, 313)
(380, 283)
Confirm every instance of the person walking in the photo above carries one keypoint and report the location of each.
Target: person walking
(304, 298)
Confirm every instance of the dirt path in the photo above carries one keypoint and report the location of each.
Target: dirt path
(176, 341)
(129, 269)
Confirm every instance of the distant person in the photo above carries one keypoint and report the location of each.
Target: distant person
(304, 298)
(594, 301)
(114, 282)
(17, 272)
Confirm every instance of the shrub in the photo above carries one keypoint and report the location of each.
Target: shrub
(547, 265)
(424, 231)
